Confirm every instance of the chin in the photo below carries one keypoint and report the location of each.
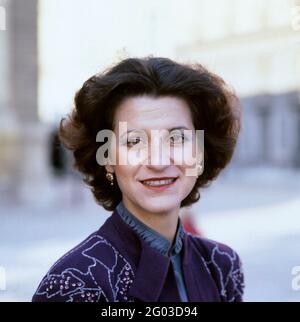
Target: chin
(160, 206)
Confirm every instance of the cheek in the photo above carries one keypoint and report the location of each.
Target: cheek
(121, 156)
(125, 176)
(188, 183)
(184, 155)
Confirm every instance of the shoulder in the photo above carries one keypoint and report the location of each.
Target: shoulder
(85, 273)
(225, 266)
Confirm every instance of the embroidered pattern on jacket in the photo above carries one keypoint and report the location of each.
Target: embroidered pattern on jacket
(233, 278)
(72, 284)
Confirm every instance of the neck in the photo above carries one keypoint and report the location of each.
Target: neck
(165, 223)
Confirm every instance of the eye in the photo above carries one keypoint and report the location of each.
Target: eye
(178, 138)
(133, 141)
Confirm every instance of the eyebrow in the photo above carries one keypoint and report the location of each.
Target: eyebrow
(171, 129)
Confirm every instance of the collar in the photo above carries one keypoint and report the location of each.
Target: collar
(150, 236)
(151, 267)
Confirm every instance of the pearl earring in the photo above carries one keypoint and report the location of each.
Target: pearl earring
(200, 167)
(110, 177)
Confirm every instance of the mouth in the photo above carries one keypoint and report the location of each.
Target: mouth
(158, 184)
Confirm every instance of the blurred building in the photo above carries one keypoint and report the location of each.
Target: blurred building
(50, 47)
(24, 170)
(255, 46)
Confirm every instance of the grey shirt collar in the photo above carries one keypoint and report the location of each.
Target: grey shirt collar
(152, 237)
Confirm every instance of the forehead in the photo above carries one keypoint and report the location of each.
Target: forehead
(146, 112)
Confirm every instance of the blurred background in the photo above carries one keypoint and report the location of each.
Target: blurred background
(48, 48)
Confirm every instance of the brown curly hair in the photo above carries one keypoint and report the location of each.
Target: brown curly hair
(215, 109)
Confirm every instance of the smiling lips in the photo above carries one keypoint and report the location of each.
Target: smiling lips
(158, 183)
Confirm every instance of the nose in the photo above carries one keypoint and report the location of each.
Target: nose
(158, 155)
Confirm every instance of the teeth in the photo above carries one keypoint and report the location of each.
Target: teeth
(158, 182)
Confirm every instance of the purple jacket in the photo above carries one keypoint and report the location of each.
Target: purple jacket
(114, 264)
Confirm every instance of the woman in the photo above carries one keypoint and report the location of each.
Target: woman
(142, 252)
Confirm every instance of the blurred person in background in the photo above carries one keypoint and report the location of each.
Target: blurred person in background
(57, 155)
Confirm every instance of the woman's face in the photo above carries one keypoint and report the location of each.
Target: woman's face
(147, 155)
